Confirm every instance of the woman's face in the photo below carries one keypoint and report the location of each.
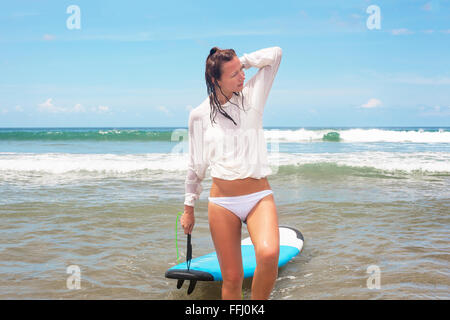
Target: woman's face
(233, 76)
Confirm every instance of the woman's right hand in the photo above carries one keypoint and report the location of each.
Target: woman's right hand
(187, 219)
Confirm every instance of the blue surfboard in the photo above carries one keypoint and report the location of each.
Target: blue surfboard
(207, 268)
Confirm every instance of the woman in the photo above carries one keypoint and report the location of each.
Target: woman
(226, 134)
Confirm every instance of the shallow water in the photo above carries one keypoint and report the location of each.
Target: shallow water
(113, 216)
(124, 247)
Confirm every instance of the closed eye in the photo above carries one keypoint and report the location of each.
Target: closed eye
(242, 67)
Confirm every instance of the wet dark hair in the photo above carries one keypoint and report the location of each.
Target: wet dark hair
(216, 58)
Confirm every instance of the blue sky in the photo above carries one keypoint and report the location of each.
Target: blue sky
(141, 63)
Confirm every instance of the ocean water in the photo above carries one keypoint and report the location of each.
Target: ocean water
(105, 200)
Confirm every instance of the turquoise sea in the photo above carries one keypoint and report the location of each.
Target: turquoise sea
(106, 199)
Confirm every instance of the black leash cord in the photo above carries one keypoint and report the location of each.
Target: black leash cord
(189, 252)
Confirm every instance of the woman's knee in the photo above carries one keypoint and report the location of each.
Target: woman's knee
(267, 255)
(233, 279)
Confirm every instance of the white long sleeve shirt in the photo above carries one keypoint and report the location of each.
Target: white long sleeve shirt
(232, 151)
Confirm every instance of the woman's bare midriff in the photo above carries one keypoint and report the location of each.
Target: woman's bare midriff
(238, 187)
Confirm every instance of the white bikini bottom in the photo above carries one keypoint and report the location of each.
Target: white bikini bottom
(240, 205)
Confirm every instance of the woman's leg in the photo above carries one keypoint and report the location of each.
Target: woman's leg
(225, 230)
(262, 224)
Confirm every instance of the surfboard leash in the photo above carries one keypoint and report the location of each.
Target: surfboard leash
(188, 252)
(192, 283)
(189, 244)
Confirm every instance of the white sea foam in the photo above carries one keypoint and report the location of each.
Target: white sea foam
(112, 164)
(359, 135)
(431, 162)
(58, 163)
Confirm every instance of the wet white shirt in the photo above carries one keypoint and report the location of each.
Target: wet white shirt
(232, 151)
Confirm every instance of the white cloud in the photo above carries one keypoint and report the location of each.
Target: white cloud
(79, 108)
(100, 109)
(372, 103)
(48, 106)
(163, 109)
(18, 108)
(103, 109)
